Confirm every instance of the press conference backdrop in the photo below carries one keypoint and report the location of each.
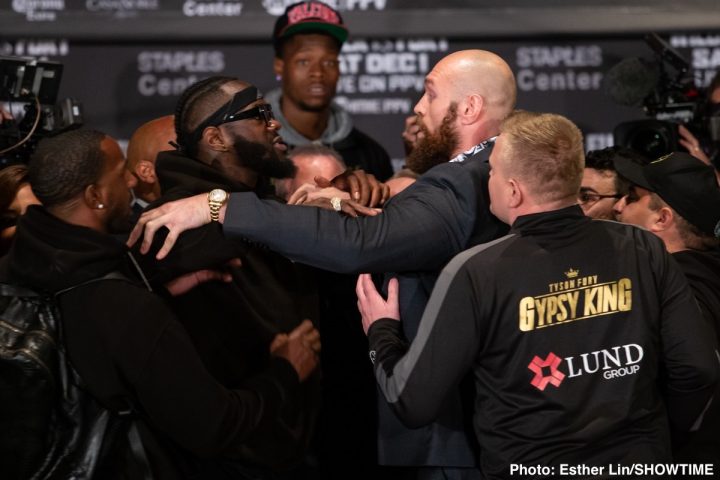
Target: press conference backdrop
(127, 61)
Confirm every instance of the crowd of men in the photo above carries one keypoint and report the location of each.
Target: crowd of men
(521, 302)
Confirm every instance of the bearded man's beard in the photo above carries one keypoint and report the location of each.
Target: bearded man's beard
(434, 149)
(263, 159)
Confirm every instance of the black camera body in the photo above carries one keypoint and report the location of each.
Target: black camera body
(34, 84)
(666, 92)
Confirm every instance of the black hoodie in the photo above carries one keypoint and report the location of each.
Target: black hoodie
(126, 344)
(232, 324)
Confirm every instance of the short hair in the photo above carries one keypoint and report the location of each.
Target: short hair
(313, 149)
(11, 179)
(691, 236)
(195, 104)
(62, 166)
(546, 152)
(604, 160)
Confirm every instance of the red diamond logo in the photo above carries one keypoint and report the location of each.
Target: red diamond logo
(540, 381)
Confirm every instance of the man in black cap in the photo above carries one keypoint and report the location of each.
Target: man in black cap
(677, 198)
(307, 39)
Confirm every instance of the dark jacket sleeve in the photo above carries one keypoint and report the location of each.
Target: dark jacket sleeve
(419, 230)
(416, 380)
(180, 397)
(690, 355)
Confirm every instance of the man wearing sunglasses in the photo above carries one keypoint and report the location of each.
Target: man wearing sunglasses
(227, 140)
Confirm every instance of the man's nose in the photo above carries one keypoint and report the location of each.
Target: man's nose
(620, 205)
(420, 106)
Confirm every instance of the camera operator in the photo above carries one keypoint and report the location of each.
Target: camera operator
(707, 149)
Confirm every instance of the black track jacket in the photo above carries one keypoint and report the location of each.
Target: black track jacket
(581, 334)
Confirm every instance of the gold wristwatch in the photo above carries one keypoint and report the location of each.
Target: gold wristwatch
(216, 199)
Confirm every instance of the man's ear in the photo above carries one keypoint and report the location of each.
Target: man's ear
(214, 139)
(515, 198)
(470, 109)
(664, 219)
(93, 197)
(278, 65)
(145, 171)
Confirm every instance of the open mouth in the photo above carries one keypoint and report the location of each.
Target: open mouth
(279, 144)
(318, 89)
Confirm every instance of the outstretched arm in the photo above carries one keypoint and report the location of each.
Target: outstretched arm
(419, 230)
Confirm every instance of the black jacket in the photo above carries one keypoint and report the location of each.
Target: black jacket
(702, 270)
(418, 232)
(569, 326)
(125, 343)
(232, 324)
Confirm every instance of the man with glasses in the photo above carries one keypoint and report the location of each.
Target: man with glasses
(601, 187)
(227, 140)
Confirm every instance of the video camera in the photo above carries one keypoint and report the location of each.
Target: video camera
(34, 84)
(665, 90)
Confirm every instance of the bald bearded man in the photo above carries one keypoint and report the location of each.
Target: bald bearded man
(467, 95)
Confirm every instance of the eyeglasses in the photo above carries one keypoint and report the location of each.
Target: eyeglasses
(585, 197)
(261, 112)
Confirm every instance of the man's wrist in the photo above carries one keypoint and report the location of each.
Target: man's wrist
(217, 199)
(221, 213)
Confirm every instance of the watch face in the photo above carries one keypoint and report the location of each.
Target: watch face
(217, 195)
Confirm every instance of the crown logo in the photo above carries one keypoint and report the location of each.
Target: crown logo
(572, 273)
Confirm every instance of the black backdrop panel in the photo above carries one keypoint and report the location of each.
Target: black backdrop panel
(122, 85)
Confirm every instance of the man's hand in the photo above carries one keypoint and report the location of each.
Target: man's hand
(4, 114)
(184, 283)
(308, 192)
(412, 134)
(371, 304)
(691, 143)
(363, 187)
(348, 207)
(177, 216)
(301, 348)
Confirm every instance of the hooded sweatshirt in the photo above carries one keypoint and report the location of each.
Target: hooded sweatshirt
(127, 345)
(233, 324)
(356, 148)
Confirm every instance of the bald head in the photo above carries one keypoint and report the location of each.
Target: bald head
(480, 84)
(479, 72)
(150, 139)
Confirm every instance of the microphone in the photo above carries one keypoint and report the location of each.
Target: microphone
(631, 81)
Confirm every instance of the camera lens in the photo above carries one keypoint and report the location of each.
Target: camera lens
(652, 143)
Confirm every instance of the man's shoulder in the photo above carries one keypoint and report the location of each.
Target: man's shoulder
(481, 255)
(633, 233)
(475, 167)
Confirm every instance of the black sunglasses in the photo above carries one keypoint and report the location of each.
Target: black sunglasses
(261, 112)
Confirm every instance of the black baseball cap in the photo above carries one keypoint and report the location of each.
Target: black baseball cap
(685, 183)
(309, 17)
